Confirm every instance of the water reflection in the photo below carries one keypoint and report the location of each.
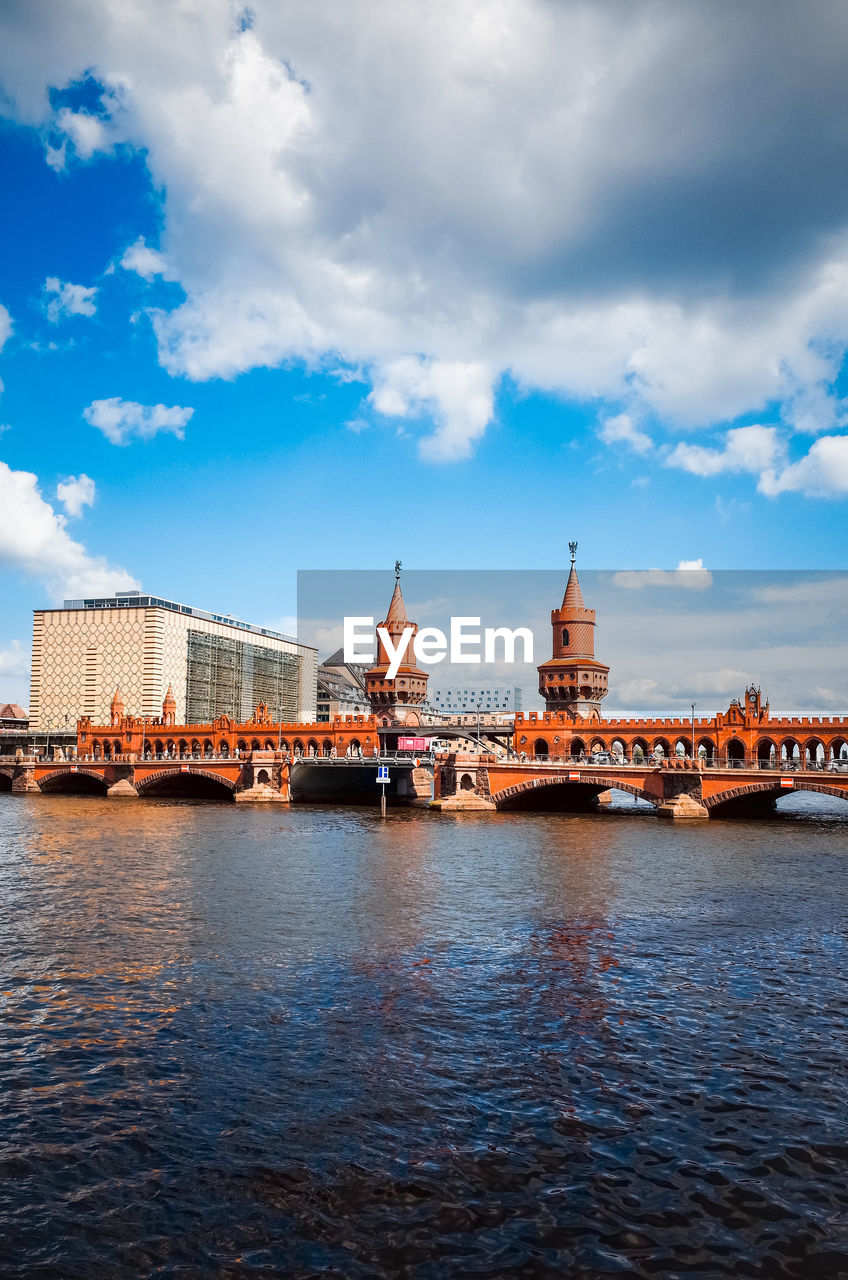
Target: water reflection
(310, 1042)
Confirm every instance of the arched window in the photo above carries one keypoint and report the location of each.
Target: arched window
(565, 637)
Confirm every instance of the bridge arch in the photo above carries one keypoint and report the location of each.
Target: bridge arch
(639, 750)
(81, 782)
(5, 780)
(706, 749)
(200, 783)
(789, 749)
(766, 751)
(541, 748)
(739, 799)
(735, 749)
(814, 751)
(521, 795)
(578, 748)
(326, 747)
(661, 747)
(312, 748)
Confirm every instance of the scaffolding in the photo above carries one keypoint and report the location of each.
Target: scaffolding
(230, 677)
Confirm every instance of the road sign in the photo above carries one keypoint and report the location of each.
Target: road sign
(383, 773)
(787, 782)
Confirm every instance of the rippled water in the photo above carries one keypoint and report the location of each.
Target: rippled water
(308, 1043)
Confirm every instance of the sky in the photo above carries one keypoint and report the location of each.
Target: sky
(314, 287)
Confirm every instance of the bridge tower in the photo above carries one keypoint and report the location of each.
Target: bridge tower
(397, 699)
(573, 680)
(117, 709)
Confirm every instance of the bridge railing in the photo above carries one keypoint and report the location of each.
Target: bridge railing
(704, 762)
(384, 757)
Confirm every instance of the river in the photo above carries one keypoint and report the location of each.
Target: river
(259, 1041)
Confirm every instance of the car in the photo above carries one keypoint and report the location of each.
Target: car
(601, 757)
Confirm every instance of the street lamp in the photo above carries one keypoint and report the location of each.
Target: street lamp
(479, 705)
(694, 704)
(47, 745)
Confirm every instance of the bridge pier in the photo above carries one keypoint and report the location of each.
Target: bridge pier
(24, 781)
(123, 789)
(682, 807)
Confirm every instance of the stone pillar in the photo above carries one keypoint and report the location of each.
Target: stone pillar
(123, 789)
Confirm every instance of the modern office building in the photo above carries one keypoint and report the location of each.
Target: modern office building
(491, 699)
(141, 644)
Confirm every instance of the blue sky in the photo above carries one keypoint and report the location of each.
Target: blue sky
(283, 290)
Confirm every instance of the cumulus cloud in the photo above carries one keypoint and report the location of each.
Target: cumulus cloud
(621, 429)
(821, 473)
(75, 493)
(590, 199)
(754, 449)
(34, 540)
(65, 299)
(144, 261)
(689, 574)
(459, 397)
(125, 420)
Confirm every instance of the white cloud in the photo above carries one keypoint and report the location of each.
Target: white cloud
(440, 195)
(68, 299)
(822, 473)
(144, 261)
(458, 397)
(75, 493)
(124, 420)
(34, 541)
(689, 574)
(621, 429)
(88, 133)
(5, 326)
(14, 660)
(754, 449)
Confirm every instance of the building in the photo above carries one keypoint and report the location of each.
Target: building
(490, 699)
(215, 664)
(14, 727)
(341, 689)
(573, 680)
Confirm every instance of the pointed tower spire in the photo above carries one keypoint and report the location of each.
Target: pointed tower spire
(169, 707)
(397, 608)
(117, 708)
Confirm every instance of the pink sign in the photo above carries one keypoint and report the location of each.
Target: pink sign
(412, 744)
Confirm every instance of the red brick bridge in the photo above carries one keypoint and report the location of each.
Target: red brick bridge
(675, 787)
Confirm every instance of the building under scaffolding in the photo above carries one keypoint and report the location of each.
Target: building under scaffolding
(215, 663)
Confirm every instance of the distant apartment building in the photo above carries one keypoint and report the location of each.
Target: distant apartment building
(488, 698)
(341, 689)
(140, 644)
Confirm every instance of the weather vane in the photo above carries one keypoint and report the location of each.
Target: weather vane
(397, 570)
(572, 546)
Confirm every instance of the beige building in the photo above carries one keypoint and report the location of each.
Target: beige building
(216, 664)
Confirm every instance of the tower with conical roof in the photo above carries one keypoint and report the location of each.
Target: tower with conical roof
(169, 707)
(572, 679)
(117, 708)
(408, 690)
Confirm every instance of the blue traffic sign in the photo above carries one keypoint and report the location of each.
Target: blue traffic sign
(383, 773)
